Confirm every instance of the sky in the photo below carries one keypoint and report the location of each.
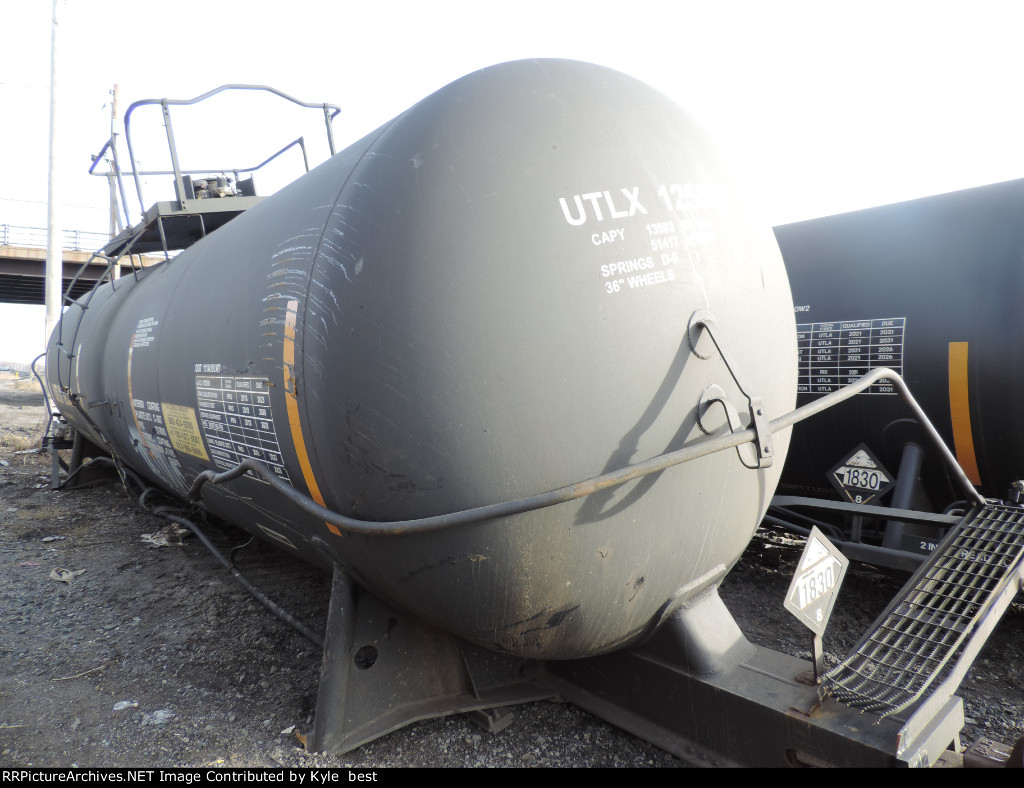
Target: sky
(820, 107)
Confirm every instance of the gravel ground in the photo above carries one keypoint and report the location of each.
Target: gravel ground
(157, 657)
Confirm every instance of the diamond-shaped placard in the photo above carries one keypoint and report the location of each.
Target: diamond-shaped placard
(861, 478)
(815, 586)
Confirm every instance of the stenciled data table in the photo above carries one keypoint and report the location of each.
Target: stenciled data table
(833, 355)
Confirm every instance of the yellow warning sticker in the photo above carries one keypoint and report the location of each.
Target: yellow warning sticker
(183, 430)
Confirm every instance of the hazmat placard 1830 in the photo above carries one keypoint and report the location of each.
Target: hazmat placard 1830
(860, 477)
(815, 586)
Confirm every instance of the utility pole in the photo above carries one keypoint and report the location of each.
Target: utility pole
(115, 216)
(54, 250)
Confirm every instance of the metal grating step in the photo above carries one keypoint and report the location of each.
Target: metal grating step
(970, 578)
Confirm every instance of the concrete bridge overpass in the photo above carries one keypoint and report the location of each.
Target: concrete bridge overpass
(23, 262)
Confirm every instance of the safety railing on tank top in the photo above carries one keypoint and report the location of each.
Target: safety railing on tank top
(116, 249)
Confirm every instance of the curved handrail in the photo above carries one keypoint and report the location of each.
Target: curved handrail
(330, 111)
(571, 492)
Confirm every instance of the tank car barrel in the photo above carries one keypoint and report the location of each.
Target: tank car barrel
(929, 287)
(382, 347)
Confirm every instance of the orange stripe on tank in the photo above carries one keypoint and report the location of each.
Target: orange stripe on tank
(292, 402)
(960, 411)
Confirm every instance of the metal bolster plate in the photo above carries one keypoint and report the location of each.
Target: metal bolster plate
(703, 319)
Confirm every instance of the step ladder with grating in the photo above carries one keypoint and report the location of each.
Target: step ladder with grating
(931, 633)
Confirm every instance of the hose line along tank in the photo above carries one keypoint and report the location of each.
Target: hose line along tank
(484, 299)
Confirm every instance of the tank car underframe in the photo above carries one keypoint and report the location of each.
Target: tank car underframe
(849, 543)
(698, 689)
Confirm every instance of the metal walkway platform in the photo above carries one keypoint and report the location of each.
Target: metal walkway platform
(177, 225)
(946, 611)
